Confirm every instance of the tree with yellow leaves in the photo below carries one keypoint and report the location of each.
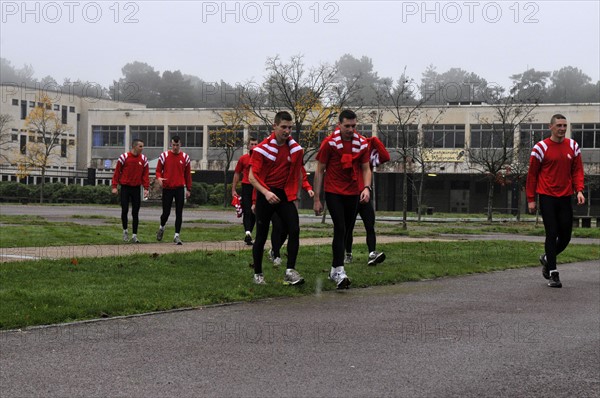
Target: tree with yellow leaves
(45, 129)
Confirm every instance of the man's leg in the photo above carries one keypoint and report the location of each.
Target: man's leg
(549, 212)
(264, 211)
(288, 213)
(342, 209)
(135, 208)
(179, 201)
(565, 223)
(349, 239)
(124, 211)
(249, 218)
(167, 202)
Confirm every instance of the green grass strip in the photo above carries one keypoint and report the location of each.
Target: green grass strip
(49, 292)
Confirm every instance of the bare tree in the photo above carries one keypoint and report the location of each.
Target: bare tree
(422, 155)
(5, 136)
(46, 129)
(399, 99)
(313, 96)
(229, 138)
(492, 150)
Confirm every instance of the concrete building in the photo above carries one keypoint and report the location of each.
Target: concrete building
(101, 130)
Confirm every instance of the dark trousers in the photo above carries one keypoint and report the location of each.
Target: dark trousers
(367, 214)
(343, 214)
(557, 213)
(288, 214)
(278, 235)
(130, 193)
(248, 216)
(167, 201)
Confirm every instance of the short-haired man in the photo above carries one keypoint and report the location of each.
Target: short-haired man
(173, 173)
(275, 173)
(242, 170)
(555, 173)
(344, 156)
(131, 173)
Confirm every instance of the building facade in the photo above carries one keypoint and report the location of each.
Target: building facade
(439, 144)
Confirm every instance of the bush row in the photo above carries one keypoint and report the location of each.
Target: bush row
(202, 193)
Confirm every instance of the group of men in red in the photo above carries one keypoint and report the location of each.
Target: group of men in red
(272, 171)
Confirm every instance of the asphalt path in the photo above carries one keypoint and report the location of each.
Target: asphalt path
(501, 334)
(486, 335)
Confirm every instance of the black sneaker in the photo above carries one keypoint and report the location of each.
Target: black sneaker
(554, 280)
(544, 263)
(248, 240)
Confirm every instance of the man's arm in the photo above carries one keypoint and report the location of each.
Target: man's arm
(318, 186)
(234, 183)
(365, 194)
(270, 196)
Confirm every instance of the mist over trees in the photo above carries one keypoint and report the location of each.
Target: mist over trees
(142, 83)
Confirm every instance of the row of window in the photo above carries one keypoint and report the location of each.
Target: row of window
(63, 109)
(587, 135)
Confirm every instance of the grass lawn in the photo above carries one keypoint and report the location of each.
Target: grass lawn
(47, 292)
(56, 291)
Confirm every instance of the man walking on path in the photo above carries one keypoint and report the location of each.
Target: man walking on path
(555, 173)
(342, 157)
(242, 169)
(132, 172)
(173, 173)
(275, 173)
(377, 155)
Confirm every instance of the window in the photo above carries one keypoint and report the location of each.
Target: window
(153, 136)
(56, 107)
(23, 109)
(64, 114)
(365, 129)
(587, 135)
(72, 109)
(32, 104)
(444, 135)
(108, 136)
(63, 148)
(191, 136)
(260, 132)
(14, 137)
(15, 101)
(392, 136)
(532, 133)
(23, 145)
(491, 136)
(71, 142)
(49, 106)
(221, 138)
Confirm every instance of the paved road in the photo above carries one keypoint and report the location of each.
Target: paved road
(487, 335)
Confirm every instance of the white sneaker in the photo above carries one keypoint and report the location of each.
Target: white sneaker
(277, 262)
(348, 258)
(376, 258)
(259, 279)
(125, 236)
(340, 278)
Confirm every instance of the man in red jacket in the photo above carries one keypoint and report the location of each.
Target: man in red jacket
(131, 173)
(377, 155)
(555, 173)
(275, 173)
(242, 169)
(342, 157)
(173, 173)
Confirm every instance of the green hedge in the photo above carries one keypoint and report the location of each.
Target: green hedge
(101, 194)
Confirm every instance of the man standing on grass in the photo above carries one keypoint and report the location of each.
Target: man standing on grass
(173, 173)
(242, 169)
(132, 172)
(343, 155)
(275, 173)
(555, 173)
